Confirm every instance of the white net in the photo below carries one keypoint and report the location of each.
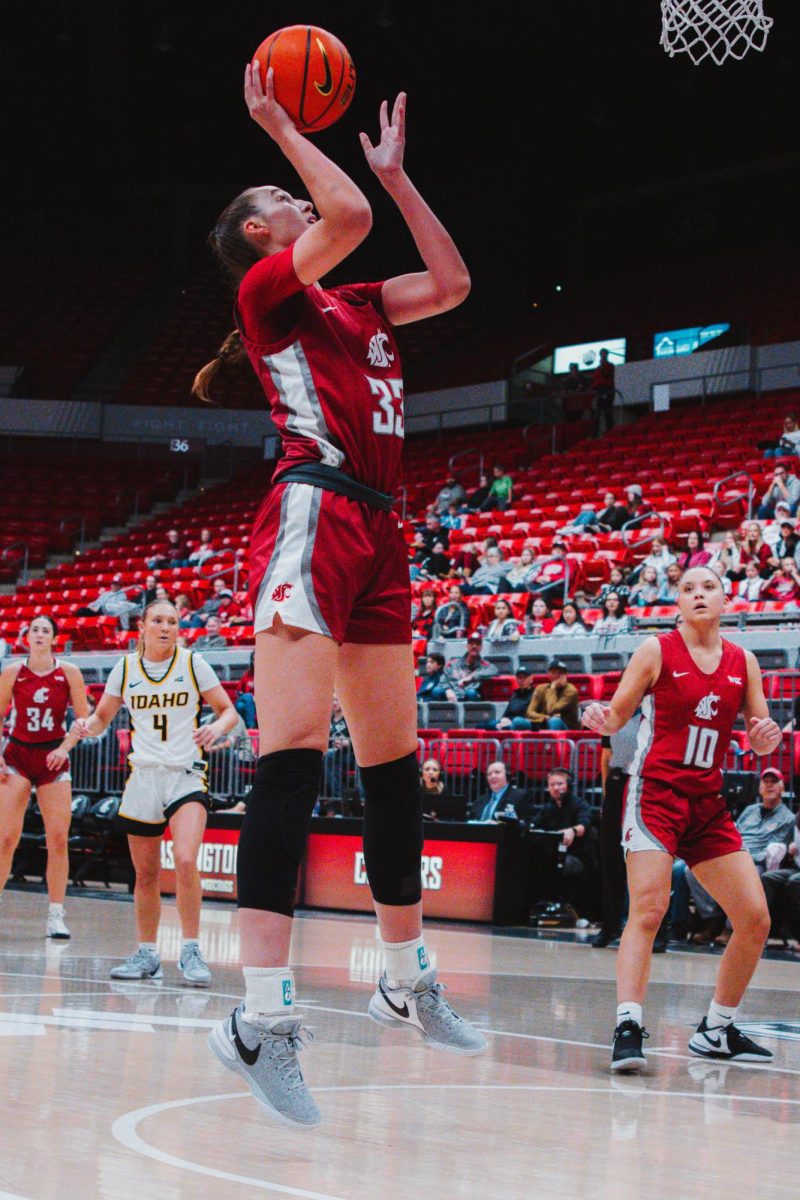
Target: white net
(715, 29)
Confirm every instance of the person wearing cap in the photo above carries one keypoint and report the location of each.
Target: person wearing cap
(554, 705)
(114, 602)
(514, 714)
(784, 486)
(782, 887)
(463, 676)
(762, 826)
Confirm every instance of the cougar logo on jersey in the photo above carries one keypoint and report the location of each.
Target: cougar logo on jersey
(282, 592)
(377, 355)
(40, 697)
(707, 708)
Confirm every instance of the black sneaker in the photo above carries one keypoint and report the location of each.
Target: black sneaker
(605, 937)
(627, 1053)
(728, 1043)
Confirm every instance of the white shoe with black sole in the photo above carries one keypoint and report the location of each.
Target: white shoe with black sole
(727, 1043)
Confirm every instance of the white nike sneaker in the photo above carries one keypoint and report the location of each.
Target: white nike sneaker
(425, 1009)
(56, 927)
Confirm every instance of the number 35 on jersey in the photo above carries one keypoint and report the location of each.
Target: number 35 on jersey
(387, 417)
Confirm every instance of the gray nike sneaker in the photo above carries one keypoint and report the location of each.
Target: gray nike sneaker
(194, 967)
(143, 964)
(265, 1055)
(425, 1009)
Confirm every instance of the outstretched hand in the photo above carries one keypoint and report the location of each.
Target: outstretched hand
(262, 105)
(386, 159)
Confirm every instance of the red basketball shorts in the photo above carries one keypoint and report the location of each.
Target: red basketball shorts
(30, 761)
(329, 564)
(694, 828)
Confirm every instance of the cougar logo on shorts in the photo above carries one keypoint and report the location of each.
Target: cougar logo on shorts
(41, 696)
(282, 592)
(707, 708)
(628, 834)
(377, 354)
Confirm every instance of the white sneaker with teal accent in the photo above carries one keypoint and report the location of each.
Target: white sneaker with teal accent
(425, 1009)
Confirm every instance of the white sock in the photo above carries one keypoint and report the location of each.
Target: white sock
(187, 942)
(151, 946)
(719, 1015)
(270, 992)
(56, 910)
(405, 961)
(628, 1011)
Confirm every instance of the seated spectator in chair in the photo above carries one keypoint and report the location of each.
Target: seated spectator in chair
(437, 564)
(174, 553)
(417, 556)
(783, 542)
(728, 553)
(571, 622)
(551, 577)
(695, 554)
(184, 607)
(637, 505)
(784, 584)
(500, 798)
(423, 614)
(614, 619)
(463, 676)
(451, 493)
(163, 594)
(519, 575)
(433, 533)
(212, 639)
(717, 566)
(782, 887)
(239, 611)
(612, 516)
(771, 530)
(148, 593)
(616, 583)
(671, 585)
(204, 549)
(562, 812)
(451, 619)
(783, 486)
(438, 803)
(761, 825)
(540, 620)
(754, 547)
(490, 577)
(219, 599)
(465, 561)
(504, 627)
(584, 521)
(646, 591)
(478, 498)
(787, 444)
(453, 518)
(245, 703)
(338, 758)
(660, 557)
(514, 715)
(434, 684)
(751, 588)
(554, 705)
(113, 602)
(500, 493)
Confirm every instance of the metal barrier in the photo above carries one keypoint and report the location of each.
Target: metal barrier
(731, 500)
(464, 762)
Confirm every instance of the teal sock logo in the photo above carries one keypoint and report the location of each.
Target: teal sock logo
(288, 996)
(422, 959)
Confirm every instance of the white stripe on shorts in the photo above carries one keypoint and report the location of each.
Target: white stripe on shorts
(288, 587)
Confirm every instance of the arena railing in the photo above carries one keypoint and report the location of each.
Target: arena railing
(731, 500)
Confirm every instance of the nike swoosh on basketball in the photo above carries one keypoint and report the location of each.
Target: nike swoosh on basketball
(247, 1055)
(324, 88)
(401, 1012)
(679, 674)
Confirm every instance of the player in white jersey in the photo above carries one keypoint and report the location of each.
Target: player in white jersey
(163, 688)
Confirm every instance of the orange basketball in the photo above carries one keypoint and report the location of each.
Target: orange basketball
(313, 74)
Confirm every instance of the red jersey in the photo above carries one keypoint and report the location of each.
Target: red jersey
(687, 718)
(330, 369)
(39, 705)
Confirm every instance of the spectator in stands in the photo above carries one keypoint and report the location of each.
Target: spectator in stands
(754, 547)
(184, 607)
(647, 590)
(490, 577)
(761, 825)
(453, 518)
(612, 516)
(617, 577)
(174, 553)
(163, 594)
(437, 564)
(539, 620)
(524, 569)
(114, 602)
(788, 443)
(574, 383)
(786, 543)
(584, 522)
(614, 619)
(465, 561)
(434, 683)
(239, 611)
(670, 586)
(772, 529)
(602, 383)
(503, 628)
(148, 593)
(500, 493)
(478, 498)
(433, 533)
(571, 622)
(782, 886)
(554, 705)
(637, 505)
(660, 557)
(752, 586)
(338, 757)
(423, 613)
(551, 578)
(245, 703)
(204, 549)
(219, 599)
(451, 493)
(695, 554)
(719, 567)
(437, 801)
(784, 486)
(563, 812)
(452, 618)
(784, 584)
(417, 556)
(501, 797)
(464, 675)
(728, 553)
(212, 639)
(514, 714)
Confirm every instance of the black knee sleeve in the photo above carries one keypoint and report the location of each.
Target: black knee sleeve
(393, 830)
(275, 829)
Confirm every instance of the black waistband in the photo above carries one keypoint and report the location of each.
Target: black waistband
(35, 745)
(321, 476)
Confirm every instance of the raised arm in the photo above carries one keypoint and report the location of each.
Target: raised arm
(640, 674)
(445, 282)
(345, 217)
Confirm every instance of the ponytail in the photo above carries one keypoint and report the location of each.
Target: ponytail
(231, 351)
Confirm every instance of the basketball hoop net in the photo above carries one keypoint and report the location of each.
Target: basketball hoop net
(715, 29)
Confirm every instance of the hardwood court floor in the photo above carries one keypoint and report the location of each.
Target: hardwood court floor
(109, 1091)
